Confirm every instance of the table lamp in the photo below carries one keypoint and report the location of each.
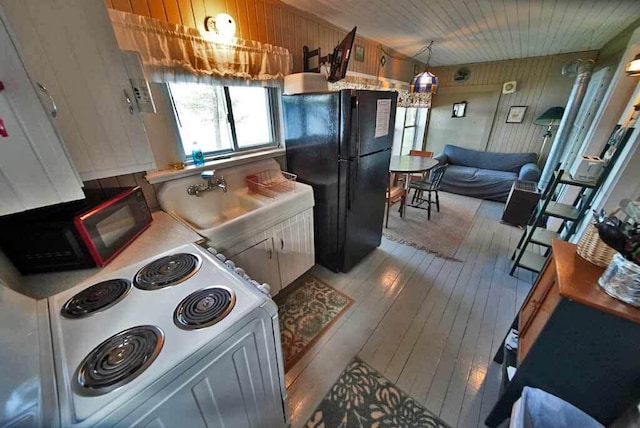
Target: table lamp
(550, 118)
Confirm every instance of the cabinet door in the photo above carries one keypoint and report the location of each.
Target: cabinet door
(69, 47)
(294, 244)
(537, 295)
(258, 258)
(34, 168)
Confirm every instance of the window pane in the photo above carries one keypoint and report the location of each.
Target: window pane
(397, 132)
(421, 125)
(407, 141)
(411, 116)
(250, 107)
(202, 116)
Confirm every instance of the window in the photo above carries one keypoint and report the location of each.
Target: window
(223, 119)
(409, 130)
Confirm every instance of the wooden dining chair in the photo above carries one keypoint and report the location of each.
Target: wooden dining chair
(423, 153)
(429, 186)
(393, 195)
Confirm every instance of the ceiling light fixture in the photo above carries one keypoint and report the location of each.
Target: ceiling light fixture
(222, 24)
(425, 81)
(633, 66)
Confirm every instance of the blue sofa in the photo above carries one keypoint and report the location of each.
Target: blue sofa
(486, 175)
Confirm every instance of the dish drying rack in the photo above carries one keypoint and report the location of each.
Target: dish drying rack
(271, 182)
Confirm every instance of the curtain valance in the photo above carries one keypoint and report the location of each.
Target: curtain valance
(405, 97)
(175, 53)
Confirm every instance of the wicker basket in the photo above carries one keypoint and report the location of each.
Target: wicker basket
(593, 249)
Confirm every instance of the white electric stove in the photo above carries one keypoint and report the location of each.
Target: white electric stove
(179, 339)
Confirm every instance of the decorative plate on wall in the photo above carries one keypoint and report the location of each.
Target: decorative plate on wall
(462, 75)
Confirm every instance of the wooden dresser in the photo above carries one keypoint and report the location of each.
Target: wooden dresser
(575, 342)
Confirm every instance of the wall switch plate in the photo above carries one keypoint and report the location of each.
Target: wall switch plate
(142, 94)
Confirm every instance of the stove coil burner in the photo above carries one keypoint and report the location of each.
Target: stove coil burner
(96, 298)
(204, 308)
(167, 271)
(119, 359)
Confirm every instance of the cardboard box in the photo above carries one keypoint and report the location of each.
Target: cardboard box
(305, 83)
(587, 168)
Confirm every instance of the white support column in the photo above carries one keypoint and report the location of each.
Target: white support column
(624, 178)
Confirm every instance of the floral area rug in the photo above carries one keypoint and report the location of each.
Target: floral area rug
(362, 397)
(443, 234)
(305, 313)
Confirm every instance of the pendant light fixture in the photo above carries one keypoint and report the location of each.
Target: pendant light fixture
(425, 81)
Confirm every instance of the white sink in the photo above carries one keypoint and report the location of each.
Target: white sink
(227, 218)
(217, 209)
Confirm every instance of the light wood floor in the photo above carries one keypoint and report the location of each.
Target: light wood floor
(428, 324)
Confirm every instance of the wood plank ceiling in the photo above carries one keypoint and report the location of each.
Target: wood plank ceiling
(470, 31)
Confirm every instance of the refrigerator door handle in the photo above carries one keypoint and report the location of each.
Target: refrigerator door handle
(352, 193)
(358, 146)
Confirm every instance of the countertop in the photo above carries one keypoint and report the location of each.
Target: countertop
(164, 234)
(578, 281)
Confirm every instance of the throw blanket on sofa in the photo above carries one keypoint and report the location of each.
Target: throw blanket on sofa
(486, 175)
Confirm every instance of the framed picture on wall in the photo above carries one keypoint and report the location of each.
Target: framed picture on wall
(459, 109)
(516, 114)
(359, 53)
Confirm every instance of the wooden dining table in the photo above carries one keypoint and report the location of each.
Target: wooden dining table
(408, 165)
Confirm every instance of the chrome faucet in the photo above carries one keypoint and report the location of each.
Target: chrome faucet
(213, 183)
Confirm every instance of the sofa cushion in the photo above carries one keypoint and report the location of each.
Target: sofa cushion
(493, 175)
(510, 162)
(461, 173)
(479, 183)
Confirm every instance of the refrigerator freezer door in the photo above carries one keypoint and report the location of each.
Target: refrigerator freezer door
(312, 133)
(365, 206)
(373, 108)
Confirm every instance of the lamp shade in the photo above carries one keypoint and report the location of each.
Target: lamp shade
(551, 117)
(633, 67)
(424, 82)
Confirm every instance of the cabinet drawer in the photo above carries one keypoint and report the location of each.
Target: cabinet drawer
(537, 296)
(544, 310)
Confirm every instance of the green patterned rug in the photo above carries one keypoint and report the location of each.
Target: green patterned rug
(305, 313)
(362, 397)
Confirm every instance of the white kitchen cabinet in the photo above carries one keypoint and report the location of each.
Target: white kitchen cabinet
(35, 170)
(257, 257)
(69, 47)
(293, 239)
(278, 255)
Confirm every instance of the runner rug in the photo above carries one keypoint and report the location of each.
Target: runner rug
(362, 397)
(305, 313)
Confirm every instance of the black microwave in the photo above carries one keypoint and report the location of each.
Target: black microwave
(75, 235)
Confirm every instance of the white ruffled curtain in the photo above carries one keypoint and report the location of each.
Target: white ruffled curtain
(407, 99)
(175, 53)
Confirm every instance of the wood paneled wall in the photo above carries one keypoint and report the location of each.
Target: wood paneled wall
(273, 22)
(540, 85)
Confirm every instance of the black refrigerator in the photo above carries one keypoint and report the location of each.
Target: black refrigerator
(340, 144)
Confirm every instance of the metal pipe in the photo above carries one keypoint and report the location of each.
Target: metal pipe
(566, 125)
